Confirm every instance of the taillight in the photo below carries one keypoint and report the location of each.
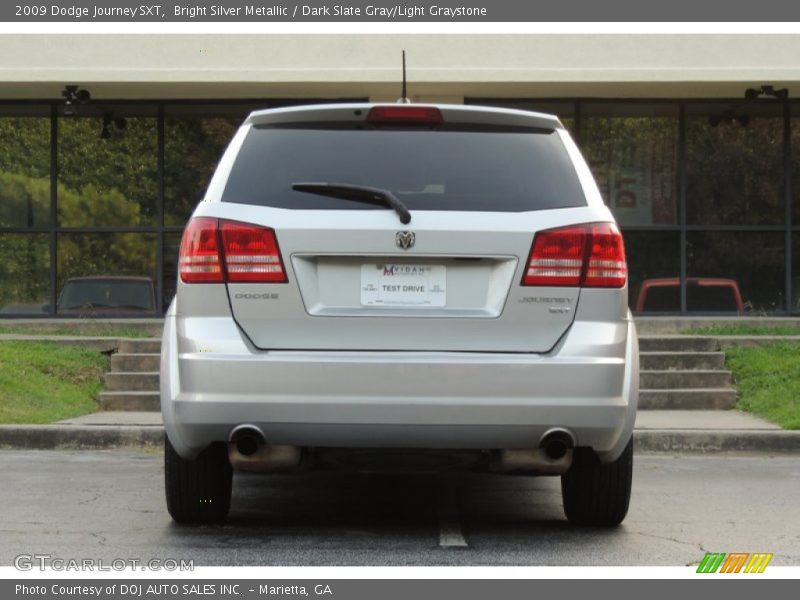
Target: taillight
(251, 253)
(591, 255)
(216, 251)
(199, 260)
(404, 114)
(607, 266)
(557, 257)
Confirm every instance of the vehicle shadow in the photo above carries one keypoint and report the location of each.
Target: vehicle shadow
(345, 517)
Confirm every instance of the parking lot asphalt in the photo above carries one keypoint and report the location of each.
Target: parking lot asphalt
(110, 504)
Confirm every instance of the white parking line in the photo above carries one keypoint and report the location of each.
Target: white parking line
(450, 534)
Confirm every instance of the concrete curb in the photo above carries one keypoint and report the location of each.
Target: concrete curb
(717, 440)
(90, 437)
(101, 437)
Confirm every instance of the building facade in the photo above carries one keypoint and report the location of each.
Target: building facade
(702, 174)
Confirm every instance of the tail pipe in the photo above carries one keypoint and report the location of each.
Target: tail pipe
(247, 442)
(249, 451)
(553, 456)
(556, 443)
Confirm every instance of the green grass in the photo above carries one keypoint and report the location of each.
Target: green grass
(91, 330)
(768, 381)
(44, 382)
(744, 329)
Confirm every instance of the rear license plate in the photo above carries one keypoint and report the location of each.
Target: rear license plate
(403, 285)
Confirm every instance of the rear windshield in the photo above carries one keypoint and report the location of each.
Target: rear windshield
(710, 298)
(508, 171)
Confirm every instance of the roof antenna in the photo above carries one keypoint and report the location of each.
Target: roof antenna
(404, 98)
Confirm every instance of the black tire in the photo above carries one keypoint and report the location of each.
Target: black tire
(199, 490)
(595, 494)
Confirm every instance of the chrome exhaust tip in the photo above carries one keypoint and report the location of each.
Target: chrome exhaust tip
(247, 445)
(249, 451)
(553, 456)
(556, 443)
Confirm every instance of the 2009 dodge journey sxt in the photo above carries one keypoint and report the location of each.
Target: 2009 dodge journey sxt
(426, 278)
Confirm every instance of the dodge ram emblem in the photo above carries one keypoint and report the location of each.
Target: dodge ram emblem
(405, 239)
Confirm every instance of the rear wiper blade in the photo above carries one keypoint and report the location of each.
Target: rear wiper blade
(357, 193)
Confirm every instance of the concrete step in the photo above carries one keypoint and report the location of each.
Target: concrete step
(131, 382)
(135, 363)
(683, 379)
(677, 343)
(660, 361)
(140, 346)
(688, 399)
(130, 401)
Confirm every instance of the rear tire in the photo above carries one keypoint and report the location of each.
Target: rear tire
(597, 494)
(199, 490)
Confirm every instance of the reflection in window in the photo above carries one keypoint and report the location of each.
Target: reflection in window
(795, 141)
(24, 171)
(117, 292)
(193, 144)
(652, 257)
(24, 274)
(796, 272)
(172, 242)
(729, 262)
(734, 165)
(107, 170)
(195, 137)
(106, 274)
(659, 295)
(633, 155)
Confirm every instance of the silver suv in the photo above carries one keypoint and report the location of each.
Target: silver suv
(379, 280)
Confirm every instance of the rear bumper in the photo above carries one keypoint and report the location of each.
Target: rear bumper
(587, 385)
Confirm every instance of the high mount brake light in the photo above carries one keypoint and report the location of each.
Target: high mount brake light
(404, 114)
(249, 253)
(591, 255)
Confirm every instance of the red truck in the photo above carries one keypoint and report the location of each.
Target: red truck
(703, 294)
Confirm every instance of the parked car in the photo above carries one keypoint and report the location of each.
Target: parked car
(365, 279)
(703, 294)
(107, 296)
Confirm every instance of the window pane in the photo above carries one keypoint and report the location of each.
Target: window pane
(106, 274)
(653, 271)
(24, 274)
(734, 164)
(796, 272)
(750, 262)
(632, 150)
(795, 141)
(24, 167)
(172, 243)
(194, 139)
(107, 167)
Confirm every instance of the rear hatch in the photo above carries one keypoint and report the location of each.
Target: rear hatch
(360, 279)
